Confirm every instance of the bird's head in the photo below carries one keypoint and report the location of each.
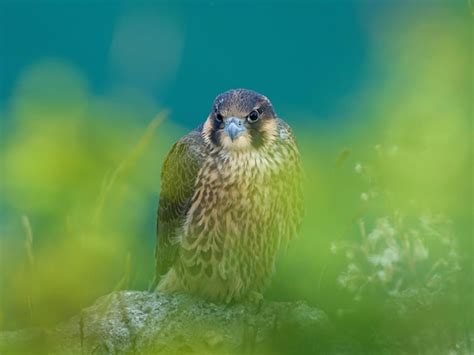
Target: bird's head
(240, 120)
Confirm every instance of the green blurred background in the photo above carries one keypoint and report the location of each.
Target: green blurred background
(379, 93)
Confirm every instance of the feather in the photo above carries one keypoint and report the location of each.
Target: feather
(178, 178)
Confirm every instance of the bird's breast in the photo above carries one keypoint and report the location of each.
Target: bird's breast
(237, 218)
(232, 194)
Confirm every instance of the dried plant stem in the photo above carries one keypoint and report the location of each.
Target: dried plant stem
(124, 282)
(25, 222)
(125, 165)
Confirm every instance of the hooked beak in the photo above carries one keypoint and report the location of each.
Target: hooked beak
(234, 127)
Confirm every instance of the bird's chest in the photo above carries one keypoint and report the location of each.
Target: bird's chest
(233, 195)
(230, 226)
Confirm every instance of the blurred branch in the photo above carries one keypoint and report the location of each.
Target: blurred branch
(342, 157)
(124, 282)
(25, 222)
(125, 165)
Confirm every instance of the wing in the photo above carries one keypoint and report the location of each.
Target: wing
(178, 177)
(292, 176)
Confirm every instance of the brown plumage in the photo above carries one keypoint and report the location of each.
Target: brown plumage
(230, 196)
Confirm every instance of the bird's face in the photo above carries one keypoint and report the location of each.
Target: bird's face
(240, 120)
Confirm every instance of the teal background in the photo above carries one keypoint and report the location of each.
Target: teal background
(305, 54)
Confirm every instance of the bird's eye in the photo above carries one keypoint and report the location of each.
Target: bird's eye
(253, 116)
(219, 117)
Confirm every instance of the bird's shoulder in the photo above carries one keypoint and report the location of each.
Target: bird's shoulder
(285, 136)
(188, 152)
(193, 141)
(284, 130)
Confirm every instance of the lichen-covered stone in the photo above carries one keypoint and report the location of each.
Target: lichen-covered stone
(143, 322)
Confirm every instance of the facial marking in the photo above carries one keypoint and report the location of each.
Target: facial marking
(240, 120)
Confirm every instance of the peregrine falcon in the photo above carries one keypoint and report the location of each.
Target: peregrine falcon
(230, 197)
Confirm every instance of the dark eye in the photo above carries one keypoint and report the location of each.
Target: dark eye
(253, 116)
(219, 117)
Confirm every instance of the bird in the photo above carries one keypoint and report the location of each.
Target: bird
(230, 198)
